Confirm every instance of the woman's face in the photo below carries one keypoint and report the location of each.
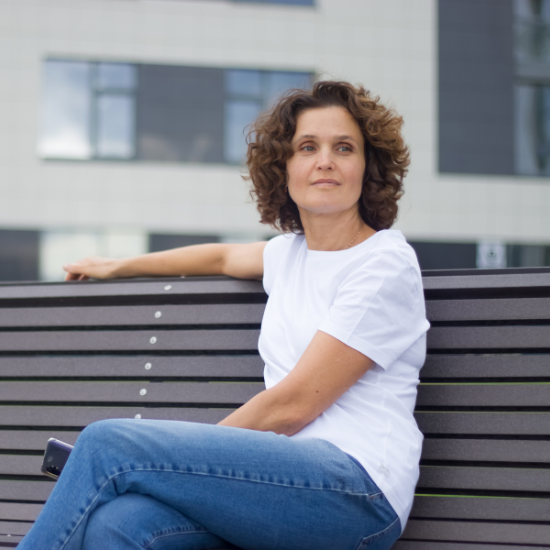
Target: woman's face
(325, 174)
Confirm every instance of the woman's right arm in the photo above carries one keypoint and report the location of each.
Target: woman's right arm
(244, 261)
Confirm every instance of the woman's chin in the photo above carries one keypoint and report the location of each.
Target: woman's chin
(325, 208)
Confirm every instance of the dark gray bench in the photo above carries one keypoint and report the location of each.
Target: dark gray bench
(186, 349)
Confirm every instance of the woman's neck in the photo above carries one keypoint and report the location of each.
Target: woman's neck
(335, 232)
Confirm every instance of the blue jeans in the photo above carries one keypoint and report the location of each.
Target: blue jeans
(155, 484)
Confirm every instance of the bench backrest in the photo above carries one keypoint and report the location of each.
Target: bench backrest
(186, 349)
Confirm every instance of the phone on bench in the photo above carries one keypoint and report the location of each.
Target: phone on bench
(55, 457)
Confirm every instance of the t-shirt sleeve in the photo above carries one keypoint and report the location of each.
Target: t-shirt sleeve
(379, 307)
(272, 255)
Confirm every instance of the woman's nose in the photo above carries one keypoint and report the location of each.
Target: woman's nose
(325, 160)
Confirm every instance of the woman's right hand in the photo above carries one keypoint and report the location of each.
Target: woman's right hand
(93, 267)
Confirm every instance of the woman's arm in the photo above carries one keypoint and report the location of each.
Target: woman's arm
(244, 261)
(325, 371)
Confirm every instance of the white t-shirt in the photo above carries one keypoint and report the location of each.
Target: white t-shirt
(370, 297)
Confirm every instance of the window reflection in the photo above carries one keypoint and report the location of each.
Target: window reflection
(88, 110)
(278, 82)
(121, 76)
(66, 110)
(248, 92)
(114, 110)
(532, 92)
(238, 115)
(115, 126)
(243, 83)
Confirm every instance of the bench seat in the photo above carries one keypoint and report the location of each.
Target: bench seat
(186, 349)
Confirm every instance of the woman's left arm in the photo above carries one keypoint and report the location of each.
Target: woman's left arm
(325, 371)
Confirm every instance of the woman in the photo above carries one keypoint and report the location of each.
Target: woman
(327, 456)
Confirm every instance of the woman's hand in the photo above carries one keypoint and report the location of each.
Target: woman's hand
(93, 267)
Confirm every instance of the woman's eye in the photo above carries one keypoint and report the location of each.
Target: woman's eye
(307, 148)
(344, 148)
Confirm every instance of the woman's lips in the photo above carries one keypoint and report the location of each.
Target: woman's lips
(325, 183)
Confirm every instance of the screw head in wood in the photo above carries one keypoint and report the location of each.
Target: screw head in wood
(138, 416)
(167, 287)
(158, 315)
(153, 340)
(148, 366)
(143, 392)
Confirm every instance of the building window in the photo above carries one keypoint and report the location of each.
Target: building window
(157, 113)
(532, 90)
(88, 110)
(288, 2)
(249, 92)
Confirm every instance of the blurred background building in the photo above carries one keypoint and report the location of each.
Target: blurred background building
(122, 121)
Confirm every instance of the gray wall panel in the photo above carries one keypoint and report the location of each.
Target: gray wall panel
(476, 77)
(19, 255)
(180, 113)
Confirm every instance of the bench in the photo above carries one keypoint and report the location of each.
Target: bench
(186, 349)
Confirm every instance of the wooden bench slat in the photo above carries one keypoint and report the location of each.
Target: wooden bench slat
(484, 395)
(465, 423)
(29, 440)
(26, 490)
(120, 392)
(133, 366)
(497, 309)
(20, 465)
(207, 314)
(214, 286)
(489, 337)
(440, 477)
(498, 365)
(61, 416)
(193, 314)
(114, 340)
(484, 478)
(487, 395)
(471, 531)
(486, 280)
(20, 511)
(437, 366)
(424, 545)
(10, 541)
(489, 450)
(483, 423)
(516, 337)
(505, 509)
(15, 527)
(479, 508)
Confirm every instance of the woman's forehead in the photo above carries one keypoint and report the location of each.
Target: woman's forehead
(327, 122)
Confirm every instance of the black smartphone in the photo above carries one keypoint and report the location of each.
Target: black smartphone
(55, 457)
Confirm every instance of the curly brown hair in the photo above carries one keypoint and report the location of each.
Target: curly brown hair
(269, 148)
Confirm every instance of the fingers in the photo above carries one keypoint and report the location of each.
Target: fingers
(74, 276)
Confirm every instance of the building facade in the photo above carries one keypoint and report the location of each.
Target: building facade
(122, 121)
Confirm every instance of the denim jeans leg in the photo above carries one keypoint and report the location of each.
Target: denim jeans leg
(254, 489)
(134, 522)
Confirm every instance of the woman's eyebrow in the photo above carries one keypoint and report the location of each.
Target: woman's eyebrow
(305, 136)
(337, 138)
(346, 137)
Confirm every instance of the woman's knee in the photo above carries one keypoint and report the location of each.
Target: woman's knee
(115, 524)
(104, 431)
(134, 520)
